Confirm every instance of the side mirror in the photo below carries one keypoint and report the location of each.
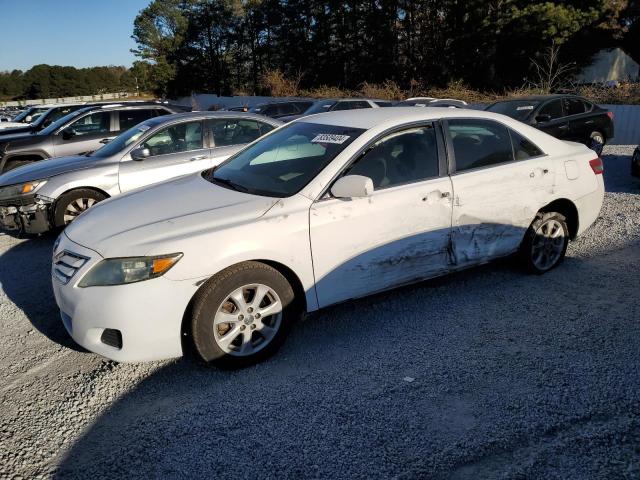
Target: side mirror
(140, 153)
(543, 118)
(352, 186)
(68, 133)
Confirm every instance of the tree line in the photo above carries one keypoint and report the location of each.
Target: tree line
(227, 46)
(46, 81)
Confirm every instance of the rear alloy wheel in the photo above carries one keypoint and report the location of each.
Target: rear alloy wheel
(242, 315)
(70, 205)
(545, 243)
(596, 142)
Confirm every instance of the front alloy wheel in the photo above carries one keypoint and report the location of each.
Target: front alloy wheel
(70, 205)
(247, 320)
(242, 315)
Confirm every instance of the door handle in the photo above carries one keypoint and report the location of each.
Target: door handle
(588, 122)
(563, 127)
(433, 196)
(197, 157)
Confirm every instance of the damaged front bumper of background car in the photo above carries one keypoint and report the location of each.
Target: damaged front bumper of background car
(29, 215)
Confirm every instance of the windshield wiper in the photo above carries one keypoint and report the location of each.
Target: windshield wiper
(231, 184)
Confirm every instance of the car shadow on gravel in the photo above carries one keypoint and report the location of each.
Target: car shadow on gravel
(470, 375)
(617, 174)
(25, 275)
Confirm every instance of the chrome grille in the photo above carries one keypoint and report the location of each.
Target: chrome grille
(66, 265)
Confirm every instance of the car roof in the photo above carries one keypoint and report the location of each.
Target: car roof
(206, 114)
(541, 98)
(372, 117)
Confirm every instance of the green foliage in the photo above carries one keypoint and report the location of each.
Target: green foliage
(223, 46)
(46, 81)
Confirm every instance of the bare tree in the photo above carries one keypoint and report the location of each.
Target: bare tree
(550, 73)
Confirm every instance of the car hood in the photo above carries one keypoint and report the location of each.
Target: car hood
(7, 136)
(42, 169)
(5, 125)
(152, 219)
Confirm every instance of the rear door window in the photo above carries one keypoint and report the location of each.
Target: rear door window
(130, 118)
(553, 109)
(234, 131)
(479, 143)
(523, 149)
(574, 106)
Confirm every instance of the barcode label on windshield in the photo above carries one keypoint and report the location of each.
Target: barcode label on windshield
(330, 138)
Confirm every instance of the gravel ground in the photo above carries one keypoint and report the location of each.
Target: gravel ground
(489, 373)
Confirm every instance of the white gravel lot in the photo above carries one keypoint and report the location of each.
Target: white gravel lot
(490, 373)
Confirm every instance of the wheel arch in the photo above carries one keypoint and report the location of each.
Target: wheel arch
(69, 190)
(569, 210)
(287, 272)
(22, 157)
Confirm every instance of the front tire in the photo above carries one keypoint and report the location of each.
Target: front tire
(73, 203)
(242, 315)
(545, 242)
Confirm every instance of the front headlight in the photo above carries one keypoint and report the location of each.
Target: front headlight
(26, 188)
(119, 271)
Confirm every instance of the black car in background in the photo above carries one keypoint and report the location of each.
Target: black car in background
(635, 162)
(567, 117)
(282, 108)
(80, 131)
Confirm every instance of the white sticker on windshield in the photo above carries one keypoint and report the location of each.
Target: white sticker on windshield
(526, 107)
(330, 138)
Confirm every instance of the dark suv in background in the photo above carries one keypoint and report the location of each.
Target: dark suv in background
(567, 117)
(282, 109)
(79, 132)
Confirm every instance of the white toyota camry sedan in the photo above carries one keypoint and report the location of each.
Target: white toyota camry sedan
(328, 208)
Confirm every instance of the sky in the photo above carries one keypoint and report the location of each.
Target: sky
(78, 33)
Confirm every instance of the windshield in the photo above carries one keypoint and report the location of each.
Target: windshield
(320, 107)
(37, 113)
(19, 118)
(62, 121)
(282, 163)
(121, 142)
(518, 109)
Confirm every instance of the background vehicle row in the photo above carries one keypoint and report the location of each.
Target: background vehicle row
(52, 193)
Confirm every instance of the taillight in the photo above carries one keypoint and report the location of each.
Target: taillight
(597, 166)
(610, 115)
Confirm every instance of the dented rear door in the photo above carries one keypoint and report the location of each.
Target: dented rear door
(495, 195)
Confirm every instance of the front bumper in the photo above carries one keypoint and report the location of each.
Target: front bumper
(147, 314)
(31, 214)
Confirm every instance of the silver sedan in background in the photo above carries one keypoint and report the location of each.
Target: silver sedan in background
(52, 193)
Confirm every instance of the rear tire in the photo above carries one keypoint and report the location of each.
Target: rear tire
(73, 203)
(242, 315)
(597, 142)
(545, 242)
